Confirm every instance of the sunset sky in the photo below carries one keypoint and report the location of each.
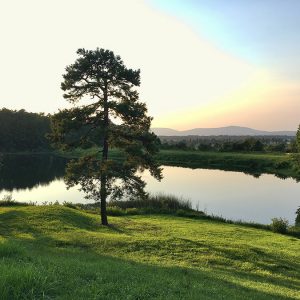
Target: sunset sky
(205, 63)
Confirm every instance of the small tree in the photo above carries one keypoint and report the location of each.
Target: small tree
(296, 155)
(297, 220)
(106, 108)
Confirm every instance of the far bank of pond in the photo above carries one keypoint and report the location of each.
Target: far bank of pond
(255, 163)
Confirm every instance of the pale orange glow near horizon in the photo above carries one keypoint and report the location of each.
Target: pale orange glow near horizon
(260, 103)
(187, 80)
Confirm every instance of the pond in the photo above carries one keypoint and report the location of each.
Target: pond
(233, 195)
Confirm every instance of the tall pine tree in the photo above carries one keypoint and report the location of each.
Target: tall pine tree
(106, 107)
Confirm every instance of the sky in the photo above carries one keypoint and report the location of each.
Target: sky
(203, 63)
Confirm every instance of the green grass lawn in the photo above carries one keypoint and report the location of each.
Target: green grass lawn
(55, 252)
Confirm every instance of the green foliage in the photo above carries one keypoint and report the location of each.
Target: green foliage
(54, 252)
(297, 220)
(279, 225)
(250, 163)
(180, 212)
(102, 76)
(298, 139)
(281, 165)
(115, 211)
(296, 156)
(229, 143)
(191, 214)
(23, 131)
(133, 211)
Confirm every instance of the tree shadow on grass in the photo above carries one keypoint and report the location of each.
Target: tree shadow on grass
(46, 224)
(258, 259)
(219, 281)
(27, 220)
(88, 275)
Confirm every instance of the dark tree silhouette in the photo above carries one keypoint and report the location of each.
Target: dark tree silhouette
(23, 131)
(106, 106)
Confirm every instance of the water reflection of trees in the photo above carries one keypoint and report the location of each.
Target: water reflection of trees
(27, 171)
(252, 169)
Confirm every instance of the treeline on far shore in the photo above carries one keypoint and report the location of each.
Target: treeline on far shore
(284, 144)
(22, 131)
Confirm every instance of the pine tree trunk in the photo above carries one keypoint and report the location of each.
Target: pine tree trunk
(103, 200)
(103, 179)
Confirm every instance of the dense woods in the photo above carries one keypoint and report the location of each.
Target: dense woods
(23, 131)
(26, 131)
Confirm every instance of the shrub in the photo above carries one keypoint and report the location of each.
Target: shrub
(180, 212)
(297, 220)
(282, 165)
(279, 225)
(132, 211)
(115, 211)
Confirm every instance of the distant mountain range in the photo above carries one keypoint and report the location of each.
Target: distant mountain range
(229, 130)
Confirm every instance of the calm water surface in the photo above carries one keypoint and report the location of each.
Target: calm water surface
(233, 195)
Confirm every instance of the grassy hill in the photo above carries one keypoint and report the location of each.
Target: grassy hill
(55, 252)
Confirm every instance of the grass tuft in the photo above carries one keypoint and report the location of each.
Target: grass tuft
(160, 203)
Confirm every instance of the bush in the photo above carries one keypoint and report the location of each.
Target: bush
(279, 225)
(297, 220)
(180, 212)
(132, 211)
(282, 165)
(115, 211)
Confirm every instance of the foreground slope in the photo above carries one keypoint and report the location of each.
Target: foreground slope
(54, 252)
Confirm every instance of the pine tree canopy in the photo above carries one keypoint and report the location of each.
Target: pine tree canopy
(106, 108)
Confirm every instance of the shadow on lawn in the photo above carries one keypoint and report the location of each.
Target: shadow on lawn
(213, 281)
(114, 278)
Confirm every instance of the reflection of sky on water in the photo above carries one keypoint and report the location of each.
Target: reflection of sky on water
(54, 191)
(232, 195)
(229, 194)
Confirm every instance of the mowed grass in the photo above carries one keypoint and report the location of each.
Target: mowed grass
(55, 252)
